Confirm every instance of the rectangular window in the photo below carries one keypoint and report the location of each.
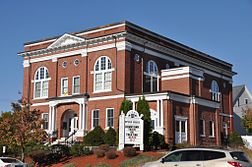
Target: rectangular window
(45, 118)
(37, 89)
(95, 118)
(202, 127)
(98, 82)
(107, 80)
(110, 117)
(45, 88)
(76, 85)
(64, 86)
(211, 128)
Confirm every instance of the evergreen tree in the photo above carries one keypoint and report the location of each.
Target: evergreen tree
(143, 108)
(126, 106)
(110, 137)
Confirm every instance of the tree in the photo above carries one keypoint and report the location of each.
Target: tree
(126, 106)
(143, 108)
(247, 119)
(20, 127)
(110, 137)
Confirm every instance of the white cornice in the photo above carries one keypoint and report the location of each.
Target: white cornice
(82, 52)
(171, 54)
(78, 34)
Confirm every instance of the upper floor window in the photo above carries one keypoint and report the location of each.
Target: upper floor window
(103, 74)
(151, 77)
(64, 86)
(76, 84)
(41, 82)
(215, 94)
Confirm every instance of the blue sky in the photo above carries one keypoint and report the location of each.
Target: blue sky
(222, 29)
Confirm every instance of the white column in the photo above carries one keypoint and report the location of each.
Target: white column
(80, 116)
(162, 114)
(50, 119)
(53, 118)
(134, 105)
(158, 111)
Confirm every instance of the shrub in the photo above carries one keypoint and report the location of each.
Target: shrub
(40, 156)
(60, 150)
(157, 140)
(76, 149)
(111, 154)
(110, 137)
(129, 152)
(235, 140)
(86, 151)
(104, 147)
(95, 137)
(99, 153)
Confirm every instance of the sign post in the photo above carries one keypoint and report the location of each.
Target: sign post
(131, 129)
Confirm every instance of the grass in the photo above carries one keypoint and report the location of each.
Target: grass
(137, 161)
(102, 165)
(70, 165)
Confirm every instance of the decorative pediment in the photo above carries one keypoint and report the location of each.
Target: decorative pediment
(66, 39)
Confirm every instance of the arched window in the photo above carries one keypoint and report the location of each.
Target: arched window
(102, 74)
(151, 77)
(215, 94)
(41, 82)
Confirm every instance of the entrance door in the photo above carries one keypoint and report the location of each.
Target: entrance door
(180, 131)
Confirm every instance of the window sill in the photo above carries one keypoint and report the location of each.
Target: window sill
(202, 135)
(211, 137)
(40, 98)
(102, 91)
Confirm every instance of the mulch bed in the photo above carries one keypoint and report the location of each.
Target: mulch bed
(92, 160)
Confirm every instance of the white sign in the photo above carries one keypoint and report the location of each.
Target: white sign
(131, 129)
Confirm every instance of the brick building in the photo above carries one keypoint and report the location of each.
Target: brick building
(78, 81)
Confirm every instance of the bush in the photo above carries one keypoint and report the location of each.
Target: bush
(110, 154)
(104, 147)
(157, 140)
(60, 151)
(129, 152)
(95, 137)
(76, 149)
(110, 137)
(40, 156)
(235, 140)
(99, 153)
(86, 151)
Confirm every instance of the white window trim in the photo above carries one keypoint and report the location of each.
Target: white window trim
(102, 72)
(204, 128)
(92, 120)
(215, 93)
(61, 86)
(41, 85)
(213, 130)
(77, 76)
(107, 127)
(152, 75)
(42, 116)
